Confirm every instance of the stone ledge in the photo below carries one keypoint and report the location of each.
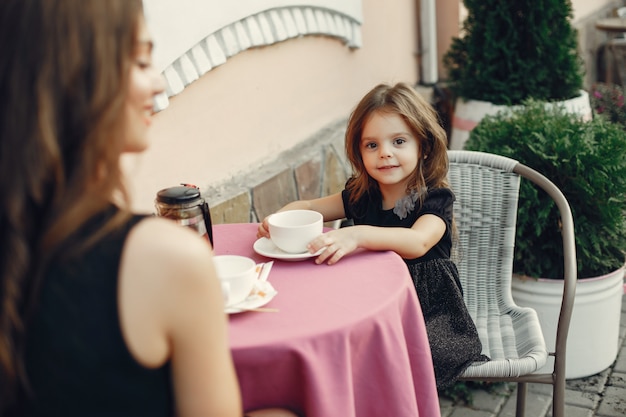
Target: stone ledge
(315, 168)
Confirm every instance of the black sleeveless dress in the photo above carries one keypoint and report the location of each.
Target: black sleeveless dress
(76, 359)
(452, 334)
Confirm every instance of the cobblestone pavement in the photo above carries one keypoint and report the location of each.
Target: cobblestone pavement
(601, 395)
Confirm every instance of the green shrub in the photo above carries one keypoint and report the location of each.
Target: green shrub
(510, 51)
(587, 161)
(462, 392)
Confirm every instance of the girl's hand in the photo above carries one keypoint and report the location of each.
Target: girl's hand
(264, 229)
(338, 243)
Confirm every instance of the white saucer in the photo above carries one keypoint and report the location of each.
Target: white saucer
(262, 294)
(264, 246)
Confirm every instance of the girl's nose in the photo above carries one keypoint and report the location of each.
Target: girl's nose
(384, 151)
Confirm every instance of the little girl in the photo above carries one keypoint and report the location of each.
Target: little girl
(399, 200)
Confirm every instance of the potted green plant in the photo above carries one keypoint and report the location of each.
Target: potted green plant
(511, 51)
(587, 161)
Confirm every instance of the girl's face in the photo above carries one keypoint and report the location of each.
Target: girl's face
(388, 148)
(145, 82)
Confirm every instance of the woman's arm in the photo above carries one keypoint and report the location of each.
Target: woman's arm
(411, 243)
(171, 307)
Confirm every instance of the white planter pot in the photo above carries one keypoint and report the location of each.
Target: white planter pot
(592, 342)
(468, 113)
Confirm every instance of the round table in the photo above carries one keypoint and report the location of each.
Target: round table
(612, 24)
(348, 340)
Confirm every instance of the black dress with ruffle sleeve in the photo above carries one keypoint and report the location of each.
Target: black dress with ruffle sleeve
(452, 334)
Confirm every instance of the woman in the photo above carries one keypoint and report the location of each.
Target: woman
(104, 312)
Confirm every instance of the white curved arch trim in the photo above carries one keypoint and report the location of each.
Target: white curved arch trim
(264, 28)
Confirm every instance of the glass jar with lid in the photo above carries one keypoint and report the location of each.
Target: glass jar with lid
(185, 205)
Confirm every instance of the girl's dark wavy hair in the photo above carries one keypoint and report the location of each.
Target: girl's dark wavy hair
(422, 119)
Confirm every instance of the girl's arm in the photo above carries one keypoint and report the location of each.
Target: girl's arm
(411, 243)
(331, 207)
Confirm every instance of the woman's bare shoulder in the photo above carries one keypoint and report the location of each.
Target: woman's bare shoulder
(158, 250)
(163, 240)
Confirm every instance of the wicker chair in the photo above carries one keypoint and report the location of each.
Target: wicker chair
(487, 189)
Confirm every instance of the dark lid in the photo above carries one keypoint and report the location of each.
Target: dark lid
(178, 195)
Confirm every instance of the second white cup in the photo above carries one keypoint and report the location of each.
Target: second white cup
(237, 275)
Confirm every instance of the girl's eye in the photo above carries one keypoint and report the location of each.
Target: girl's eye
(399, 141)
(370, 145)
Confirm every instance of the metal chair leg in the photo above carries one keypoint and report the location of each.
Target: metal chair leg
(558, 398)
(521, 399)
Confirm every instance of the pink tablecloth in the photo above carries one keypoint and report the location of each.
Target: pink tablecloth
(349, 339)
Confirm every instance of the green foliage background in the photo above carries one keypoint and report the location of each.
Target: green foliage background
(515, 50)
(587, 161)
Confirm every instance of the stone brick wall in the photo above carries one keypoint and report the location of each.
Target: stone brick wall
(316, 168)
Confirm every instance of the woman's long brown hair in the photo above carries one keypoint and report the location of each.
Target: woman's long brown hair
(422, 119)
(63, 81)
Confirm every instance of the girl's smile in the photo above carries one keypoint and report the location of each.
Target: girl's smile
(386, 167)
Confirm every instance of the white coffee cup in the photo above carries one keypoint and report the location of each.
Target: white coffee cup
(292, 230)
(237, 275)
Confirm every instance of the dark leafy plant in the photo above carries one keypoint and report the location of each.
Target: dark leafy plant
(510, 51)
(587, 161)
(462, 392)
